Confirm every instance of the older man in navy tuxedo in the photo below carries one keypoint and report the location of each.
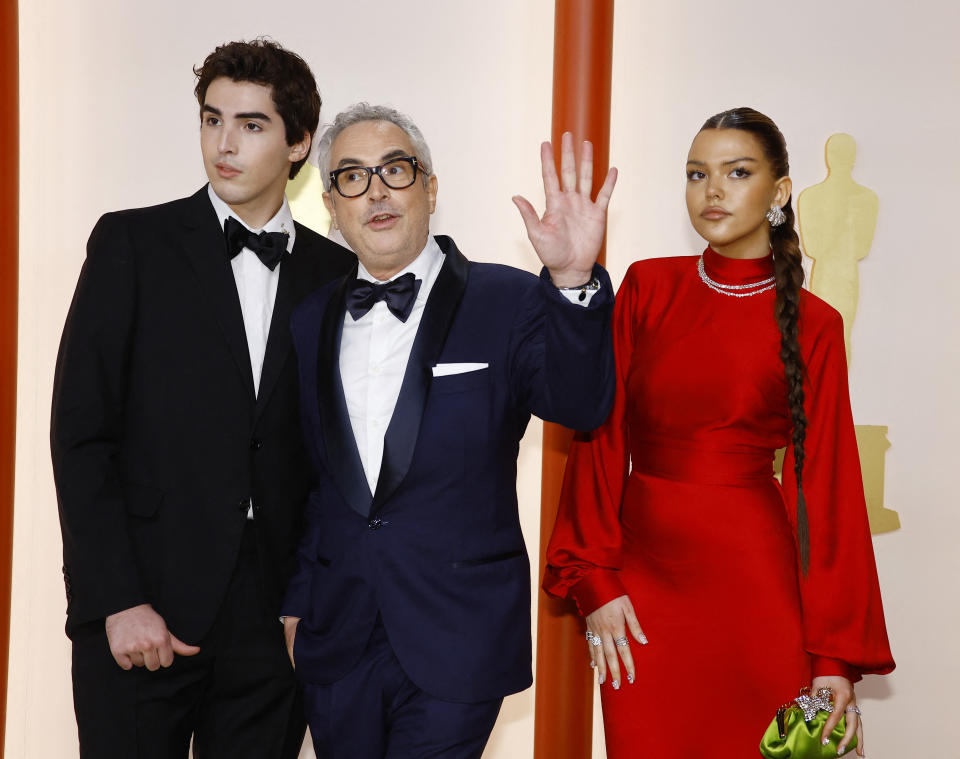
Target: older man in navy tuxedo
(409, 617)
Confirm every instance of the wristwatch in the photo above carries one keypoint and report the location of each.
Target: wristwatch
(591, 286)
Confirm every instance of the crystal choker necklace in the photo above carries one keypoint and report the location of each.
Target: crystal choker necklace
(735, 291)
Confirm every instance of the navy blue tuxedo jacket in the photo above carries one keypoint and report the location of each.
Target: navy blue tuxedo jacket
(437, 551)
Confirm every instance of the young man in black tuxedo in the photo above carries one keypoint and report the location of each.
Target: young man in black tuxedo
(177, 452)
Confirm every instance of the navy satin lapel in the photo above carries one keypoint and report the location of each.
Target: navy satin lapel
(279, 341)
(343, 458)
(206, 252)
(401, 437)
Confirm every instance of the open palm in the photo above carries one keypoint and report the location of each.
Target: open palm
(568, 236)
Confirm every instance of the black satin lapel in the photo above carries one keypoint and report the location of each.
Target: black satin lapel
(206, 252)
(343, 458)
(401, 437)
(279, 341)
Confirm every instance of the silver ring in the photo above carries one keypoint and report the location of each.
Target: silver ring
(593, 639)
(621, 641)
(855, 709)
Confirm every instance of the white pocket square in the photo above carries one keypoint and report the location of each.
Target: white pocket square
(442, 370)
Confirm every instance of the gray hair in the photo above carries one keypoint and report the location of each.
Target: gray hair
(360, 112)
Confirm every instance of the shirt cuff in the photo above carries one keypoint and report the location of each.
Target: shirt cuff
(598, 587)
(824, 666)
(580, 297)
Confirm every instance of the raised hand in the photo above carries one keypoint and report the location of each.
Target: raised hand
(139, 637)
(568, 236)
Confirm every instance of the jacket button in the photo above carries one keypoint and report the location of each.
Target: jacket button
(256, 444)
(243, 505)
(375, 524)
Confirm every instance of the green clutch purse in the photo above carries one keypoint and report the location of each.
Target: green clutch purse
(795, 731)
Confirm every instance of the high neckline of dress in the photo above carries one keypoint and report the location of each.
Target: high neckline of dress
(736, 271)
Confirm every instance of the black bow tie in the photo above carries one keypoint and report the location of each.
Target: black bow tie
(399, 295)
(270, 247)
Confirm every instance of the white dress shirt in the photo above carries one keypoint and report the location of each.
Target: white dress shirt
(374, 352)
(256, 284)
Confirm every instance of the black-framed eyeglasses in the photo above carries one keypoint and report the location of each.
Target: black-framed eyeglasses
(397, 174)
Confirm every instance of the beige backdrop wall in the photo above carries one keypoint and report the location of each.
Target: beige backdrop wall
(890, 79)
(108, 121)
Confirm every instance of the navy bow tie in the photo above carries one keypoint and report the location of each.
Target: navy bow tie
(270, 247)
(399, 295)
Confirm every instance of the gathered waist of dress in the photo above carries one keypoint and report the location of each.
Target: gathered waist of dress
(701, 465)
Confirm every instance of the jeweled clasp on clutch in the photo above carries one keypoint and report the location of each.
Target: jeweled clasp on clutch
(822, 702)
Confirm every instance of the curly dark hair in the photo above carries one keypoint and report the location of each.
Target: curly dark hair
(263, 61)
(788, 274)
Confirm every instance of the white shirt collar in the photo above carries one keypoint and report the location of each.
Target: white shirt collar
(281, 222)
(424, 267)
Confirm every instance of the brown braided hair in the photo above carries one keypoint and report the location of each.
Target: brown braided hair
(788, 274)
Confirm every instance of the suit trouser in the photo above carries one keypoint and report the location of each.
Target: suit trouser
(237, 698)
(377, 712)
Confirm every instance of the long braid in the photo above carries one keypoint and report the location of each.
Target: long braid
(788, 274)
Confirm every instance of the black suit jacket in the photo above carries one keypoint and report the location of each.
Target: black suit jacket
(158, 440)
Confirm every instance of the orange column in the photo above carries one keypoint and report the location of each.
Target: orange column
(582, 62)
(9, 220)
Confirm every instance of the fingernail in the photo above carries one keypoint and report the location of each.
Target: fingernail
(616, 684)
(593, 665)
(630, 679)
(824, 742)
(643, 639)
(841, 750)
(601, 679)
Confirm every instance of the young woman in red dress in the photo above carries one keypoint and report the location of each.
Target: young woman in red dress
(670, 516)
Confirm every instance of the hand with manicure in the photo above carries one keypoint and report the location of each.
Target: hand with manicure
(843, 699)
(609, 623)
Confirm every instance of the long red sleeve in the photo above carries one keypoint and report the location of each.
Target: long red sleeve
(843, 620)
(583, 556)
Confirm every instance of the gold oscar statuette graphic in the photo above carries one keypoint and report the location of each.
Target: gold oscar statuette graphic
(305, 195)
(837, 220)
(872, 442)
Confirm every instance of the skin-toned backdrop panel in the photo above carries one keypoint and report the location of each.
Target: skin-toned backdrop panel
(110, 122)
(819, 68)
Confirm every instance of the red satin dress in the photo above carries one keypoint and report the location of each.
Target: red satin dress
(673, 502)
